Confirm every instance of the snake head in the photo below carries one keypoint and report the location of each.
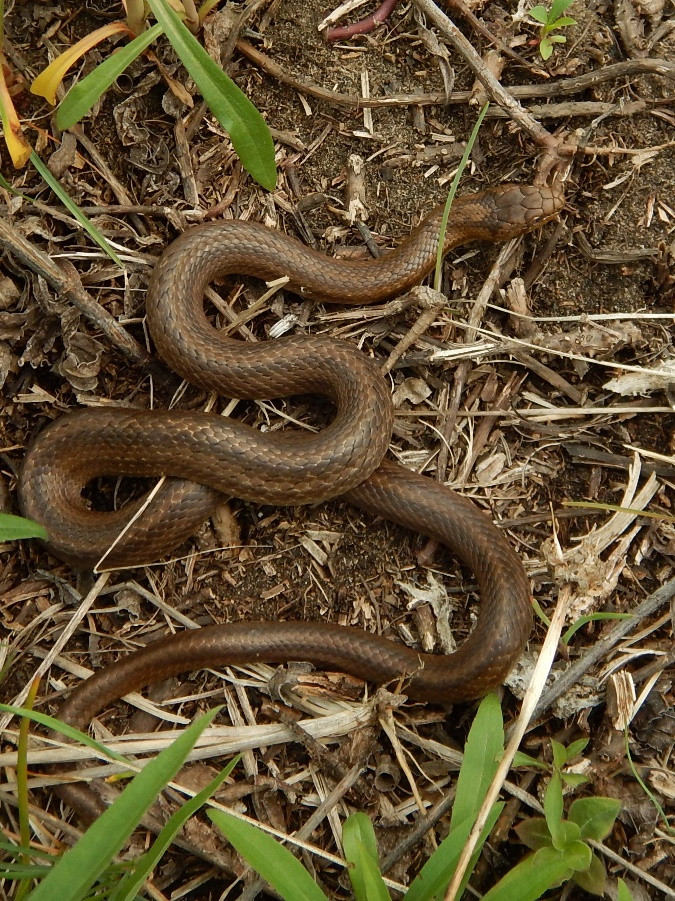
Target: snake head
(513, 210)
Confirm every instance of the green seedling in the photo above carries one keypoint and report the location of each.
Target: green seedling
(551, 20)
(561, 849)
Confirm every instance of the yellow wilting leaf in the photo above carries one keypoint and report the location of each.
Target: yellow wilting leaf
(47, 82)
(19, 148)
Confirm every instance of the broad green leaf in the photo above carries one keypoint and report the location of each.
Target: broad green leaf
(553, 808)
(132, 883)
(569, 833)
(484, 747)
(540, 13)
(83, 95)
(560, 756)
(533, 832)
(593, 879)
(70, 204)
(522, 759)
(80, 866)
(248, 130)
(574, 780)
(558, 7)
(594, 816)
(576, 748)
(578, 854)
(622, 892)
(360, 847)
(15, 527)
(529, 879)
(564, 22)
(437, 872)
(269, 858)
(545, 48)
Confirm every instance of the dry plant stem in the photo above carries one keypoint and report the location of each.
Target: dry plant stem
(416, 330)
(586, 108)
(240, 20)
(481, 434)
(419, 830)
(656, 666)
(464, 11)
(563, 87)
(70, 286)
(59, 644)
(590, 454)
(532, 695)
(551, 376)
(185, 167)
(601, 648)
(632, 868)
(462, 371)
(543, 255)
(116, 186)
(494, 89)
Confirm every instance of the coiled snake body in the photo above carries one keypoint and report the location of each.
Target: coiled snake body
(218, 456)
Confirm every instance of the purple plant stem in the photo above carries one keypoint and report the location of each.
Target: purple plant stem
(363, 26)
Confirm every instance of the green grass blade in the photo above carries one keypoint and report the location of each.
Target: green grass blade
(6, 185)
(51, 722)
(83, 95)
(451, 196)
(14, 527)
(80, 866)
(484, 747)
(269, 858)
(70, 204)
(133, 881)
(360, 847)
(590, 618)
(437, 872)
(248, 130)
(370, 881)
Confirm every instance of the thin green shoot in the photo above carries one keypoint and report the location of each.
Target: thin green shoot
(617, 508)
(70, 204)
(643, 785)
(451, 196)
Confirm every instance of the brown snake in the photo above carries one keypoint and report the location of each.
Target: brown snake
(345, 459)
